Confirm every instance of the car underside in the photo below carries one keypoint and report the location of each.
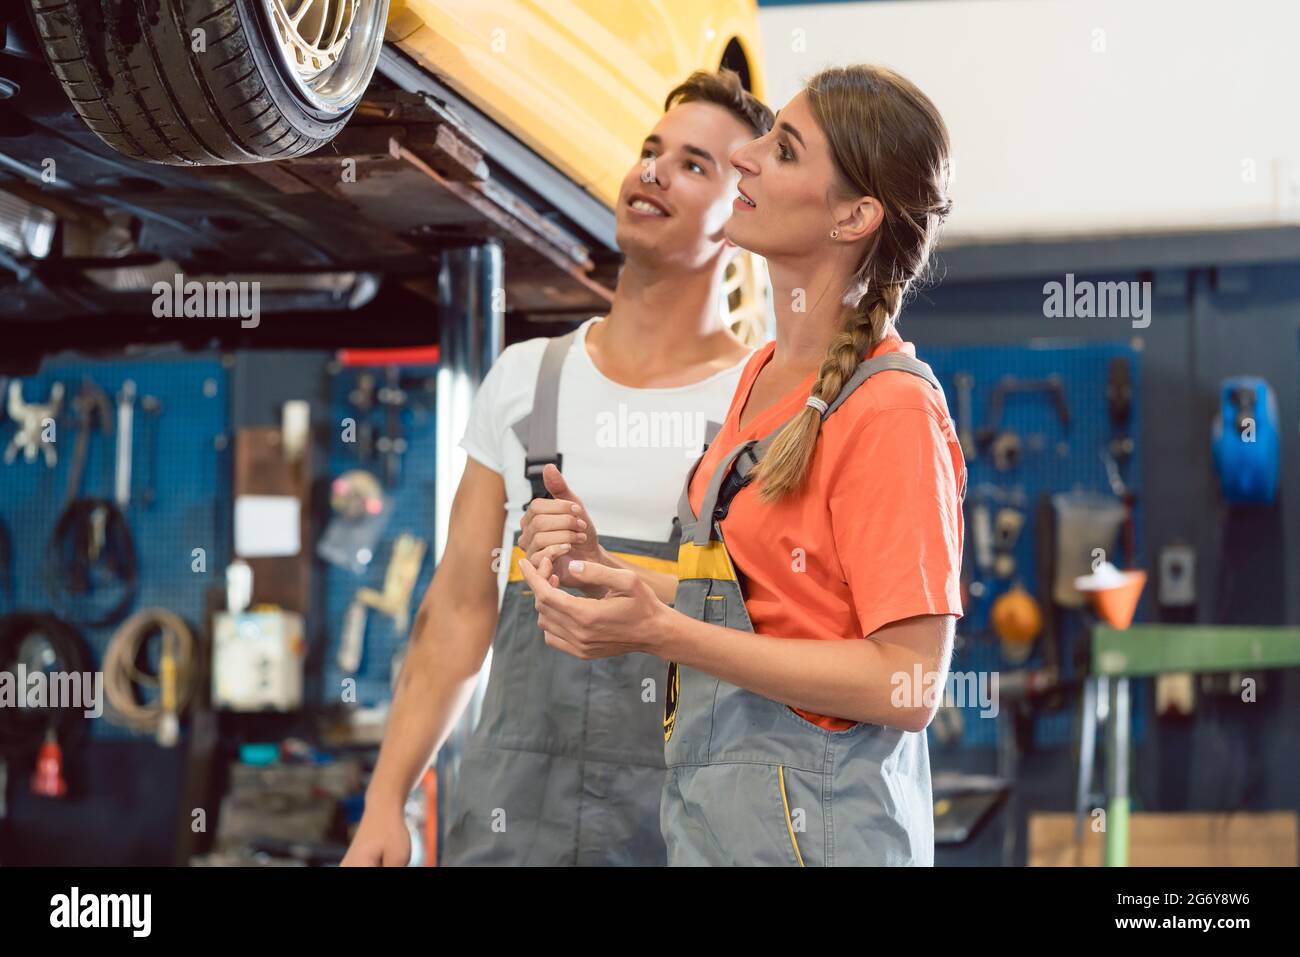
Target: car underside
(345, 244)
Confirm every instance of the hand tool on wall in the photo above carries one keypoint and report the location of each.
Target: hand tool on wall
(353, 637)
(394, 601)
(972, 589)
(399, 581)
(1007, 525)
(1128, 499)
(1119, 450)
(965, 413)
(1004, 444)
(94, 410)
(362, 398)
(125, 435)
(31, 418)
(392, 444)
(151, 406)
(1119, 392)
(982, 533)
(1119, 408)
(1005, 450)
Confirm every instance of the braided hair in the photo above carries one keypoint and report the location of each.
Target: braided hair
(888, 141)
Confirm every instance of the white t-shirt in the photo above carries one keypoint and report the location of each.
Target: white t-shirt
(626, 451)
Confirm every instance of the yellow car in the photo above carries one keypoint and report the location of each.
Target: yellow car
(201, 82)
(580, 81)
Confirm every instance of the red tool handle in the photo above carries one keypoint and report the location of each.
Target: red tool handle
(404, 356)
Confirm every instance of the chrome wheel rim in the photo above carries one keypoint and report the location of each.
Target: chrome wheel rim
(328, 48)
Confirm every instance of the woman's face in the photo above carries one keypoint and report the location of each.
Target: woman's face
(790, 192)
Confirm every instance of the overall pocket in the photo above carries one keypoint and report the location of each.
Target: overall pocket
(715, 613)
(745, 815)
(791, 819)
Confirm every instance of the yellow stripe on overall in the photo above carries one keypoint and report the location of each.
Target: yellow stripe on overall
(705, 561)
(695, 562)
(664, 566)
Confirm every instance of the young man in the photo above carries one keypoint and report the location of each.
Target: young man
(566, 763)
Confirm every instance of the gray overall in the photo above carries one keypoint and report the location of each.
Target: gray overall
(750, 782)
(566, 764)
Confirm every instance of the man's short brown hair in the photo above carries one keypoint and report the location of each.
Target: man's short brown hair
(724, 89)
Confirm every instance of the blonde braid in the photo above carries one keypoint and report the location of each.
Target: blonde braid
(782, 470)
(889, 142)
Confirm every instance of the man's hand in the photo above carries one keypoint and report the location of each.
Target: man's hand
(560, 529)
(381, 841)
(630, 617)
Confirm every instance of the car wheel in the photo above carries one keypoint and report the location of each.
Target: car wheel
(206, 82)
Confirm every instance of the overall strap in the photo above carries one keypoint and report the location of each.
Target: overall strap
(540, 444)
(748, 454)
(890, 361)
(685, 514)
(704, 525)
(538, 431)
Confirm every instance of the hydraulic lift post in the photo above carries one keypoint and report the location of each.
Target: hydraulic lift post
(471, 322)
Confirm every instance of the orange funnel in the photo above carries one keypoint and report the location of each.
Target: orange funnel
(1115, 606)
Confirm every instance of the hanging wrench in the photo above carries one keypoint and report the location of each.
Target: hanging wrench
(93, 407)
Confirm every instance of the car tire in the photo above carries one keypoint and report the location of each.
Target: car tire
(207, 82)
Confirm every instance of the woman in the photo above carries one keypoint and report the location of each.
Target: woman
(829, 508)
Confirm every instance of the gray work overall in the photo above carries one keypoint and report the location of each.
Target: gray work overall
(750, 782)
(566, 765)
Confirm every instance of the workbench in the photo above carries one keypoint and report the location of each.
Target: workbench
(1156, 649)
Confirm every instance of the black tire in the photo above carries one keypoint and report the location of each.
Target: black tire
(130, 71)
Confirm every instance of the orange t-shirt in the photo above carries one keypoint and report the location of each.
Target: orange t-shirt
(874, 535)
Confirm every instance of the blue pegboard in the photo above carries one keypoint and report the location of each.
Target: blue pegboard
(412, 504)
(192, 490)
(1052, 460)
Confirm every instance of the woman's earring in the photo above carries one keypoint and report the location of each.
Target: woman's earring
(835, 234)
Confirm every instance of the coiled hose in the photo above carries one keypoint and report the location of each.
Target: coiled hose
(123, 680)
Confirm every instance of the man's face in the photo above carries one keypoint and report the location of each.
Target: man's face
(674, 202)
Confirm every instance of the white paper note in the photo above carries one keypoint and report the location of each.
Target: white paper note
(267, 526)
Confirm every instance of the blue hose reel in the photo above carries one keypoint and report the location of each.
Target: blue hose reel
(1247, 443)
